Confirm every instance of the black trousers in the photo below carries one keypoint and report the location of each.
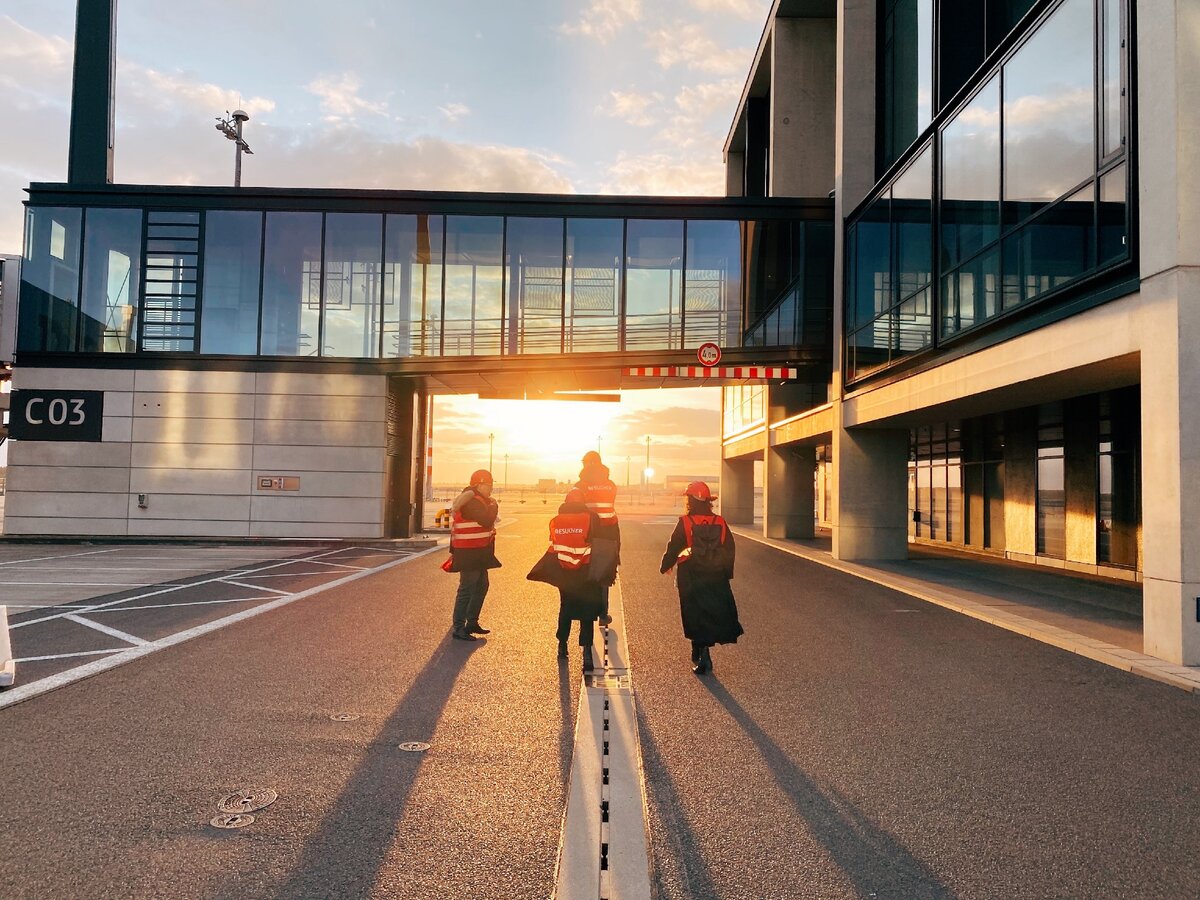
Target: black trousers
(587, 628)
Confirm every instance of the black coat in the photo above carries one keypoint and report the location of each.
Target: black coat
(706, 602)
(483, 510)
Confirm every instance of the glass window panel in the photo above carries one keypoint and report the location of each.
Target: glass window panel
(291, 302)
(1049, 112)
(869, 347)
(872, 264)
(713, 302)
(1002, 16)
(907, 72)
(535, 284)
(111, 268)
(594, 284)
(787, 320)
(232, 268)
(938, 500)
(912, 218)
(971, 177)
(474, 307)
(955, 527)
(924, 499)
(1113, 121)
(769, 248)
(1051, 506)
(412, 286)
(912, 327)
(1050, 251)
(971, 294)
(1114, 232)
(50, 279)
(653, 291)
(353, 274)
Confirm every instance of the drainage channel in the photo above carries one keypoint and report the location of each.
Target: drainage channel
(603, 849)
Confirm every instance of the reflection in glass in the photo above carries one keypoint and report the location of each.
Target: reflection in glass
(111, 268)
(869, 347)
(1002, 16)
(49, 279)
(1049, 112)
(1113, 123)
(593, 284)
(535, 284)
(971, 293)
(353, 244)
(971, 177)
(912, 325)
(713, 303)
(912, 221)
(1114, 238)
(653, 279)
(872, 292)
(1051, 504)
(474, 305)
(291, 313)
(412, 286)
(771, 249)
(907, 75)
(1051, 250)
(232, 264)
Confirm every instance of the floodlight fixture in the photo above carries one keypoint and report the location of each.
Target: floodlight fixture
(231, 127)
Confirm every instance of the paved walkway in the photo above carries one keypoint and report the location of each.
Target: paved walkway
(1084, 614)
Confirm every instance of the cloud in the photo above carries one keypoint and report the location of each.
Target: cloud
(631, 107)
(455, 111)
(339, 96)
(687, 44)
(665, 174)
(751, 10)
(604, 18)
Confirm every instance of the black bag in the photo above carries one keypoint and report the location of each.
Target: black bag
(548, 571)
(709, 552)
(605, 556)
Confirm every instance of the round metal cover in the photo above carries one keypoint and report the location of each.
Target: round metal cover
(414, 746)
(247, 801)
(345, 717)
(234, 820)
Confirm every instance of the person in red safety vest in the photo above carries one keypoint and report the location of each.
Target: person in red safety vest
(702, 553)
(472, 552)
(600, 494)
(580, 597)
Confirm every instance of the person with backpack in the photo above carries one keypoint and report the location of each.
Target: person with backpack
(566, 566)
(600, 494)
(472, 553)
(701, 550)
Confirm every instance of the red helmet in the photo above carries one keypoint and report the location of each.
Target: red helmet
(481, 476)
(575, 495)
(699, 491)
(591, 458)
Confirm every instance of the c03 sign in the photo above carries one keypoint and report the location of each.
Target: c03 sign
(57, 415)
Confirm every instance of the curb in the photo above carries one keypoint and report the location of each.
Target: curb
(1185, 678)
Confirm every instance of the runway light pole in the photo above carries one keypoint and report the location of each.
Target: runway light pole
(491, 443)
(505, 471)
(231, 127)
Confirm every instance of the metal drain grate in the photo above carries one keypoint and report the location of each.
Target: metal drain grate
(414, 746)
(345, 717)
(234, 820)
(247, 801)
(609, 682)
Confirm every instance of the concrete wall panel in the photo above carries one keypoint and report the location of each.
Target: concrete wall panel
(72, 379)
(330, 484)
(320, 434)
(189, 481)
(56, 478)
(60, 526)
(320, 409)
(184, 507)
(63, 504)
(180, 381)
(317, 509)
(283, 459)
(156, 430)
(67, 455)
(297, 383)
(192, 405)
(193, 456)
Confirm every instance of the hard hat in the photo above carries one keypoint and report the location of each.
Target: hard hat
(699, 491)
(481, 476)
(591, 457)
(575, 495)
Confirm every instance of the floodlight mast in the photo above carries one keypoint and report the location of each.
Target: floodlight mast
(233, 131)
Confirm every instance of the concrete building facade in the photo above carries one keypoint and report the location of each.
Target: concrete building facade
(1017, 285)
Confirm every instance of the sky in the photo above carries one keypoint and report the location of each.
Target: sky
(558, 96)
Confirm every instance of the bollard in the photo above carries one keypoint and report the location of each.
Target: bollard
(8, 668)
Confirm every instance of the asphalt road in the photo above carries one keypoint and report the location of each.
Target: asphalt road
(855, 742)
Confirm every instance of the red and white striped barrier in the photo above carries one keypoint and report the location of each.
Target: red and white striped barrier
(760, 373)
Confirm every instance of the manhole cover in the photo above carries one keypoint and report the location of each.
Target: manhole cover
(414, 746)
(247, 801)
(345, 717)
(234, 820)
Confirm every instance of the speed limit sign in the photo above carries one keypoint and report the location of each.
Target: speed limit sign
(709, 354)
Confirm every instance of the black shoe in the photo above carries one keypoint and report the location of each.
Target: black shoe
(562, 649)
(476, 628)
(461, 634)
(587, 659)
(695, 653)
(605, 620)
(703, 663)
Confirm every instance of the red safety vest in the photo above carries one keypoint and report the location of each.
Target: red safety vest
(466, 534)
(602, 500)
(689, 522)
(569, 539)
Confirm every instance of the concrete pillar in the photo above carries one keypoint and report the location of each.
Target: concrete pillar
(93, 93)
(803, 82)
(1020, 483)
(1169, 182)
(870, 493)
(1082, 439)
(737, 490)
(788, 497)
(735, 174)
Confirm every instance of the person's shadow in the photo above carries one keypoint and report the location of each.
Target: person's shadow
(876, 863)
(345, 854)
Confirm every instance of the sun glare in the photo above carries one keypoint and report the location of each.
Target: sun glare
(551, 430)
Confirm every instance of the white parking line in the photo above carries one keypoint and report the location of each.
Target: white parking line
(101, 612)
(111, 632)
(29, 659)
(34, 689)
(13, 562)
(75, 584)
(341, 565)
(257, 587)
(285, 575)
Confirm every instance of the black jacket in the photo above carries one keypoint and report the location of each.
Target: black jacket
(484, 510)
(598, 475)
(706, 603)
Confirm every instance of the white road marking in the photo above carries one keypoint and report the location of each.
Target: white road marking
(13, 562)
(45, 606)
(34, 689)
(101, 612)
(257, 587)
(29, 659)
(287, 575)
(341, 565)
(75, 584)
(111, 632)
